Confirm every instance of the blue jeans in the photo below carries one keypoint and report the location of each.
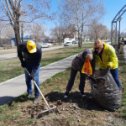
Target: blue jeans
(35, 73)
(115, 75)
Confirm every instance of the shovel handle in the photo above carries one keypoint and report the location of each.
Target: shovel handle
(38, 89)
(41, 93)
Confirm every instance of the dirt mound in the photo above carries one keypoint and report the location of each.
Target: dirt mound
(74, 111)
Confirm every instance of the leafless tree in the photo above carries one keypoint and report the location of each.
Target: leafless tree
(37, 32)
(59, 33)
(6, 32)
(98, 30)
(2, 25)
(80, 13)
(22, 11)
(123, 34)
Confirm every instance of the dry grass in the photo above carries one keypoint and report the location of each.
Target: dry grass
(7, 51)
(72, 112)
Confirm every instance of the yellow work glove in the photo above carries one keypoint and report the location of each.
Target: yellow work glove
(109, 64)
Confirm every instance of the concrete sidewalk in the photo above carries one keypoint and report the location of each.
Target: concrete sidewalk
(16, 86)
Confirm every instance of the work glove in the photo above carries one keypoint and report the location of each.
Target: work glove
(109, 64)
(31, 77)
(23, 64)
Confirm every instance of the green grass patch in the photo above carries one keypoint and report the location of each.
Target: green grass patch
(12, 114)
(8, 114)
(58, 82)
(12, 68)
(55, 86)
(122, 71)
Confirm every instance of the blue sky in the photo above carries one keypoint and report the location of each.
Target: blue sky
(111, 9)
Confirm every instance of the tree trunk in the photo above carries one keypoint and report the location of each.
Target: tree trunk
(79, 40)
(17, 36)
(17, 32)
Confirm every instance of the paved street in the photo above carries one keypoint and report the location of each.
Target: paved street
(14, 54)
(16, 86)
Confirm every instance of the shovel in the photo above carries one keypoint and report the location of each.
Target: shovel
(49, 109)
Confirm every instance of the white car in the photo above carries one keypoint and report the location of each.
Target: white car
(71, 43)
(46, 45)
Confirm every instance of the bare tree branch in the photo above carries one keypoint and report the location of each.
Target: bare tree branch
(19, 12)
(79, 13)
(6, 11)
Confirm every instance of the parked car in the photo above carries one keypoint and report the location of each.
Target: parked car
(70, 42)
(67, 43)
(46, 45)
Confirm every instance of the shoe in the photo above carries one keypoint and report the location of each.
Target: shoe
(37, 100)
(82, 94)
(66, 94)
(30, 96)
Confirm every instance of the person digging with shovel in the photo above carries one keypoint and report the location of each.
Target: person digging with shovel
(30, 55)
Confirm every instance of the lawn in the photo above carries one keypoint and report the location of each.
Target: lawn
(122, 71)
(11, 68)
(72, 112)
